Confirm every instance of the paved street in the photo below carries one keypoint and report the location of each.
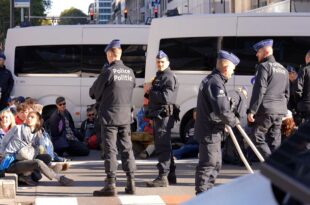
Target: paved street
(88, 174)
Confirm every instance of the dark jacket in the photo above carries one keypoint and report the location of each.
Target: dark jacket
(6, 83)
(302, 92)
(213, 106)
(164, 90)
(113, 90)
(57, 126)
(88, 128)
(271, 88)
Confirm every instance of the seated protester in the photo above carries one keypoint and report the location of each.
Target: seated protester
(19, 143)
(191, 148)
(22, 111)
(88, 129)
(12, 105)
(65, 137)
(7, 121)
(238, 103)
(288, 126)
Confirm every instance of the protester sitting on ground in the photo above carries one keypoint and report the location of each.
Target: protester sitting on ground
(288, 126)
(191, 148)
(143, 139)
(88, 129)
(19, 143)
(12, 105)
(65, 138)
(7, 121)
(239, 105)
(22, 111)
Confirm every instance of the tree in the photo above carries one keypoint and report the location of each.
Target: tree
(37, 7)
(72, 12)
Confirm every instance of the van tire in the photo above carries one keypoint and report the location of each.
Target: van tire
(186, 120)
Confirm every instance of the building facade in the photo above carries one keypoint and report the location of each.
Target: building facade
(103, 11)
(142, 11)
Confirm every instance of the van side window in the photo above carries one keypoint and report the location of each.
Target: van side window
(47, 59)
(287, 51)
(191, 54)
(65, 59)
(133, 56)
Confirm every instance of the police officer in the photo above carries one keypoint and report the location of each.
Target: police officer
(162, 95)
(302, 92)
(6, 82)
(113, 89)
(269, 99)
(213, 112)
(292, 76)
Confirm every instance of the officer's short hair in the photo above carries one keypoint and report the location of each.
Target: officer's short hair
(221, 63)
(117, 52)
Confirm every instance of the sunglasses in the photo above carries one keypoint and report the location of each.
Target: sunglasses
(91, 115)
(61, 104)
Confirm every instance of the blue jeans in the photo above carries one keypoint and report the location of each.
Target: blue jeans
(187, 149)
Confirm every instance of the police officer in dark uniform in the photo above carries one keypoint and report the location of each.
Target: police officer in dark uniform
(162, 95)
(213, 112)
(269, 99)
(292, 75)
(113, 89)
(6, 82)
(302, 92)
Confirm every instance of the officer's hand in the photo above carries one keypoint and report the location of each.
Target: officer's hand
(251, 117)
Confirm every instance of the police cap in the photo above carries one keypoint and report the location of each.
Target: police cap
(290, 69)
(116, 43)
(263, 43)
(228, 56)
(161, 54)
(2, 56)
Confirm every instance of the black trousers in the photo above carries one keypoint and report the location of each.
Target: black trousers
(266, 133)
(118, 138)
(75, 148)
(162, 140)
(210, 160)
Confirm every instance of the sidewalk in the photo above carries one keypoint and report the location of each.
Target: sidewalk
(89, 175)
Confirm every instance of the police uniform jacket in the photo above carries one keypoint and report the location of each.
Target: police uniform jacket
(164, 90)
(302, 93)
(271, 88)
(6, 82)
(113, 90)
(213, 106)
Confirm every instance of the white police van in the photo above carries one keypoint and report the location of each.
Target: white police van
(52, 61)
(192, 43)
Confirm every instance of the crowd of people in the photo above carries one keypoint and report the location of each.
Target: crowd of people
(28, 148)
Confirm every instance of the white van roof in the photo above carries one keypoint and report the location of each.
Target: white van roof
(78, 34)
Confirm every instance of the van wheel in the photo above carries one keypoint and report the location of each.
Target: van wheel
(48, 111)
(185, 125)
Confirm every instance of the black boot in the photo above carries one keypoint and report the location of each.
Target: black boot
(109, 188)
(172, 178)
(160, 181)
(131, 186)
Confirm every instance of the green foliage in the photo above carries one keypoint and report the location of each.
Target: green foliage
(72, 12)
(38, 8)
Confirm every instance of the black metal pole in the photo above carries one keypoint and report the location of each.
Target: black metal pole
(258, 3)
(12, 14)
